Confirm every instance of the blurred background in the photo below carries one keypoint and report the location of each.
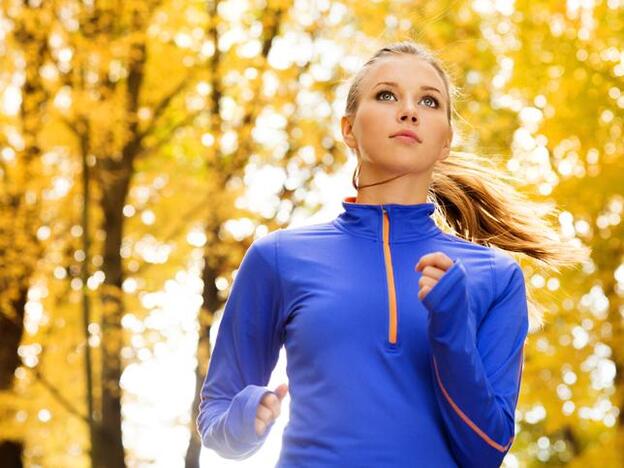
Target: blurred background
(145, 144)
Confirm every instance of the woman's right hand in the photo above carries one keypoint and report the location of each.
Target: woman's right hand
(269, 408)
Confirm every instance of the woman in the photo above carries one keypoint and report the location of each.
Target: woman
(404, 342)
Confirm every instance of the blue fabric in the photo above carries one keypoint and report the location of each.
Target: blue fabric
(442, 395)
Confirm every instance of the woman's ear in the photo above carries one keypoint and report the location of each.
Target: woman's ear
(347, 132)
(446, 148)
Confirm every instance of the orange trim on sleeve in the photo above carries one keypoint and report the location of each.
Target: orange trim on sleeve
(467, 420)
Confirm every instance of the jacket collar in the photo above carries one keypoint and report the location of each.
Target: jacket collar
(407, 222)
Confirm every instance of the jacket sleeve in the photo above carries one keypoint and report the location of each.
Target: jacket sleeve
(477, 373)
(244, 355)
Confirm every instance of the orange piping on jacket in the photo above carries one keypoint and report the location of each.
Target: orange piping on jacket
(466, 419)
(392, 331)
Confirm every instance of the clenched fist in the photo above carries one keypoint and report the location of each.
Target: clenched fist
(269, 408)
(433, 266)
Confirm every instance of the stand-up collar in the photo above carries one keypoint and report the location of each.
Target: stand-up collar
(407, 222)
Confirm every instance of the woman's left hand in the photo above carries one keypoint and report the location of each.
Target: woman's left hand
(433, 266)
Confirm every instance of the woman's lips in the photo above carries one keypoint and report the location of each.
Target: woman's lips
(405, 139)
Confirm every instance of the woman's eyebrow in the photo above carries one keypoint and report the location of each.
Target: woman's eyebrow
(424, 87)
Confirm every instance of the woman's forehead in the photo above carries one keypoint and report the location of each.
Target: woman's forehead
(407, 71)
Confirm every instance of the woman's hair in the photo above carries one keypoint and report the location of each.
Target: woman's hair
(476, 201)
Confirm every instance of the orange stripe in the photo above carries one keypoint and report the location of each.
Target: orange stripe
(390, 276)
(467, 420)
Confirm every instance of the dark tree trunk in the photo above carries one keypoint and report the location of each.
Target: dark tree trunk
(11, 454)
(109, 451)
(206, 315)
(11, 331)
(116, 175)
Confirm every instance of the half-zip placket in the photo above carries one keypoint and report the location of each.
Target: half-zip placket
(392, 304)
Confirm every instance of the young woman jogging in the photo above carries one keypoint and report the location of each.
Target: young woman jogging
(404, 340)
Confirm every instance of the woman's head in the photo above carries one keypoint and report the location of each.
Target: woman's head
(402, 87)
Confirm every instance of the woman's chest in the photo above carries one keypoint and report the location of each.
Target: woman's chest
(354, 297)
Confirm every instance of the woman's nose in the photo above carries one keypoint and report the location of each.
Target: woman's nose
(409, 114)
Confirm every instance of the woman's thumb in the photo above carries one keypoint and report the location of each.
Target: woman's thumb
(281, 391)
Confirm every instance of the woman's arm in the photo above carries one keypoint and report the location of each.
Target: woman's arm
(245, 353)
(477, 373)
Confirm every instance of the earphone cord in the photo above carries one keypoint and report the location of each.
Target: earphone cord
(358, 187)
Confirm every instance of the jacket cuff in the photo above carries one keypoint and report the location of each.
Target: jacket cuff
(242, 416)
(446, 282)
(450, 322)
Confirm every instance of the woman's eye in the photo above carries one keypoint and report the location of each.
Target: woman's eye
(437, 104)
(381, 93)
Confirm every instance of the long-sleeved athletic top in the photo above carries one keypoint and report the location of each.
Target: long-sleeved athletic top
(377, 377)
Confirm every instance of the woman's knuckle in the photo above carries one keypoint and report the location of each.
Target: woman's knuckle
(262, 413)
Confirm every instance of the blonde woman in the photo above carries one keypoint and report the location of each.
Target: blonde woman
(404, 342)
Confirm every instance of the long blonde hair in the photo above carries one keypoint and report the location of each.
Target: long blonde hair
(477, 201)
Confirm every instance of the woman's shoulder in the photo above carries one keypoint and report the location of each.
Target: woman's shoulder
(489, 268)
(282, 240)
(299, 236)
(500, 259)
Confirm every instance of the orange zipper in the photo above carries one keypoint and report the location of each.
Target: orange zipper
(392, 330)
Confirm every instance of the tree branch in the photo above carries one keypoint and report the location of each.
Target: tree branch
(162, 106)
(183, 123)
(57, 395)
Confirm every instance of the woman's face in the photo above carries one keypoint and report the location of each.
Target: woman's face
(385, 109)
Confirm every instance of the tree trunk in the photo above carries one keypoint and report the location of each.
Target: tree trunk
(211, 302)
(109, 451)
(11, 331)
(115, 178)
(11, 454)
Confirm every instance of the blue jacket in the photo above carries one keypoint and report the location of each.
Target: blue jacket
(377, 377)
